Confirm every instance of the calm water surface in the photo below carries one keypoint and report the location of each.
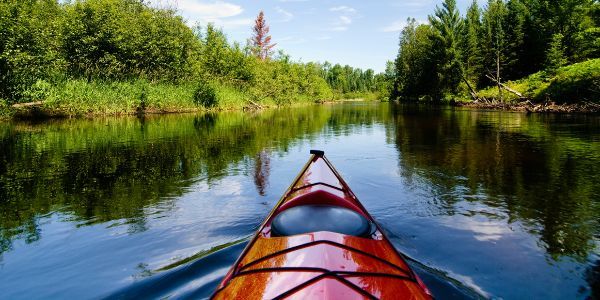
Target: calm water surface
(486, 204)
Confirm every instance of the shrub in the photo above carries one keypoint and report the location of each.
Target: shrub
(205, 95)
(39, 91)
(578, 82)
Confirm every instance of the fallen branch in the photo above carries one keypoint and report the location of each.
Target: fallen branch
(471, 90)
(504, 86)
(253, 105)
(28, 104)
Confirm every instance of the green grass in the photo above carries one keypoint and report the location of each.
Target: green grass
(78, 97)
(570, 84)
(5, 111)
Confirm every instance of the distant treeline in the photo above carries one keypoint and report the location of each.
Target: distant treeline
(46, 43)
(505, 40)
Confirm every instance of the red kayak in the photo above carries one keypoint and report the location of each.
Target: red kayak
(319, 242)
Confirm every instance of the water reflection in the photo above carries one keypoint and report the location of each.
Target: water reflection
(513, 162)
(261, 171)
(501, 188)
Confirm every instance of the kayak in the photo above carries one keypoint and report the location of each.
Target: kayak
(319, 242)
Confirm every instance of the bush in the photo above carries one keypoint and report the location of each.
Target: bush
(206, 95)
(39, 91)
(578, 82)
(29, 49)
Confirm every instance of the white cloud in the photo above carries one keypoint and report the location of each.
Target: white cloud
(344, 9)
(209, 10)
(397, 26)
(287, 16)
(222, 14)
(293, 0)
(233, 23)
(344, 18)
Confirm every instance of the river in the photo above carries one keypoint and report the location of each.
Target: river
(485, 204)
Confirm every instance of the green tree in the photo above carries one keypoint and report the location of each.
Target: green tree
(29, 49)
(122, 39)
(471, 49)
(220, 60)
(447, 26)
(516, 24)
(494, 40)
(555, 57)
(416, 64)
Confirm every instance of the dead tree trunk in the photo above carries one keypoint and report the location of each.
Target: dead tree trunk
(471, 90)
(498, 75)
(504, 86)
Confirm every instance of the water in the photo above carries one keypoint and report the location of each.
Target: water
(486, 204)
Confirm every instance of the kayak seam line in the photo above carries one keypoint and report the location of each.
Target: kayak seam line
(319, 277)
(292, 249)
(316, 183)
(326, 271)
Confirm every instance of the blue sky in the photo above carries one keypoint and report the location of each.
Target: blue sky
(358, 33)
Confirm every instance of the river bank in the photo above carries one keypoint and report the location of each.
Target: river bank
(530, 107)
(570, 89)
(82, 98)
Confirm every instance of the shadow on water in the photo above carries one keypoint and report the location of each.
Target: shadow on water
(190, 279)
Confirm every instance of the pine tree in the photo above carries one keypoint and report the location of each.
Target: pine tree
(555, 57)
(517, 16)
(494, 40)
(261, 41)
(470, 43)
(447, 26)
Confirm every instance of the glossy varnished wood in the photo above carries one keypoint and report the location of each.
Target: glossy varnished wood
(323, 265)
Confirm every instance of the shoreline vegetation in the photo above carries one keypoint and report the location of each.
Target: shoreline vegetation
(111, 57)
(118, 57)
(523, 55)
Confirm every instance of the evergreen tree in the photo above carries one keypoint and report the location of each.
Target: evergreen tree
(447, 26)
(555, 57)
(517, 16)
(471, 49)
(494, 39)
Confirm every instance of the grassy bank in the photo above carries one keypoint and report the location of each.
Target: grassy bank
(77, 98)
(573, 84)
(107, 57)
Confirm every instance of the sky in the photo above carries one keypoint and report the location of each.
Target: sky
(359, 33)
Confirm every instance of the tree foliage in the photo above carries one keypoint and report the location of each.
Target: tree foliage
(414, 63)
(29, 50)
(45, 44)
(119, 39)
(509, 39)
(446, 34)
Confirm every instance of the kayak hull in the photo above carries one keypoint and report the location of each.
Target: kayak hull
(321, 264)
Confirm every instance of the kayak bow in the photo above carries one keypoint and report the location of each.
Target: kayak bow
(320, 242)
